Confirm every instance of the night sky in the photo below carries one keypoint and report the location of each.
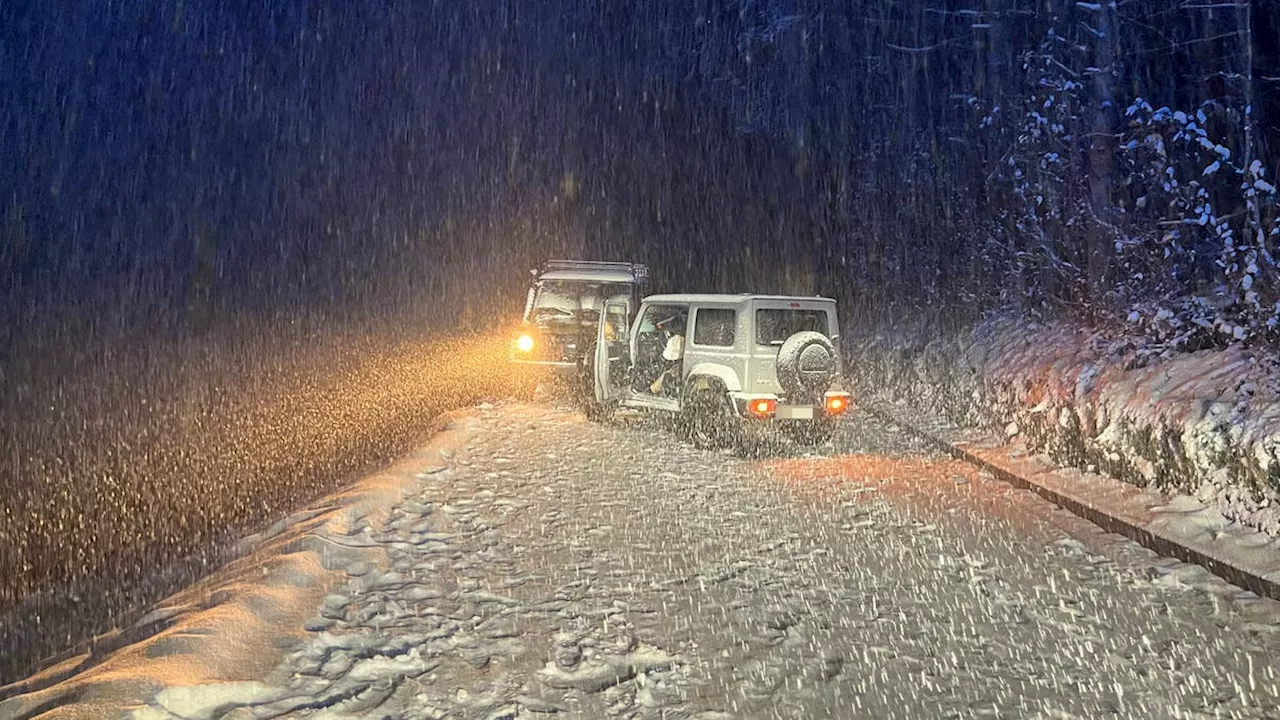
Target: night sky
(169, 161)
(276, 152)
(305, 152)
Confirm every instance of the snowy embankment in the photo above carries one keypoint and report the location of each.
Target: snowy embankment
(1205, 425)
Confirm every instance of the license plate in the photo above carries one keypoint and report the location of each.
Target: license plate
(795, 413)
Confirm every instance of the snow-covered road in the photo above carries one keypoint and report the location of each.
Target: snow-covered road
(557, 568)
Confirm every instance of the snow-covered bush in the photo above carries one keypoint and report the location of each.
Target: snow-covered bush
(1201, 251)
(1040, 187)
(1192, 217)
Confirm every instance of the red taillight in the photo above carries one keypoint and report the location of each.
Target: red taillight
(837, 404)
(763, 407)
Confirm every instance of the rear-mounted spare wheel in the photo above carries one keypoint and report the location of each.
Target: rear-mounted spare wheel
(806, 364)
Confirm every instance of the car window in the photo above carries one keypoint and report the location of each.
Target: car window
(775, 325)
(714, 327)
(668, 319)
(564, 298)
(615, 322)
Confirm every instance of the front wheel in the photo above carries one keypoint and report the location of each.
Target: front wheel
(817, 432)
(710, 421)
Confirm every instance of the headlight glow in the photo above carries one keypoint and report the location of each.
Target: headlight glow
(524, 343)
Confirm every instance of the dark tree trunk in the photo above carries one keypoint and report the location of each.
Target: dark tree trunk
(1102, 144)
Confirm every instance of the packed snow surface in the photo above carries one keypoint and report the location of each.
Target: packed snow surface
(555, 568)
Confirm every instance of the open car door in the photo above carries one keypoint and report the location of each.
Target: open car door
(613, 357)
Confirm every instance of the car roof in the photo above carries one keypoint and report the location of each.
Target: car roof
(728, 299)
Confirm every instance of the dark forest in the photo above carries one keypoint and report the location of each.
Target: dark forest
(168, 162)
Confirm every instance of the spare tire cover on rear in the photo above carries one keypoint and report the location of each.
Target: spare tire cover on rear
(806, 364)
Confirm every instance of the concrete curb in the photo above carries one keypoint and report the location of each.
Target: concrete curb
(1238, 556)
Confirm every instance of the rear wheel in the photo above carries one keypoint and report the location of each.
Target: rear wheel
(710, 421)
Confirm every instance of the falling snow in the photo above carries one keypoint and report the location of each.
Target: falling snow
(251, 252)
(884, 582)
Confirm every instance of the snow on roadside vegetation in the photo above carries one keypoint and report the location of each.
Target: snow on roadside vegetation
(1204, 423)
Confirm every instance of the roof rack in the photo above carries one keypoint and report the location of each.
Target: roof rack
(640, 273)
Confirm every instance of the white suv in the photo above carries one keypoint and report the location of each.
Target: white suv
(723, 365)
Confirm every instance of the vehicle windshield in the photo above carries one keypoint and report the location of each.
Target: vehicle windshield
(565, 301)
(775, 325)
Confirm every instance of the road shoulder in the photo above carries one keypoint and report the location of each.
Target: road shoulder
(212, 645)
(1177, 526)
